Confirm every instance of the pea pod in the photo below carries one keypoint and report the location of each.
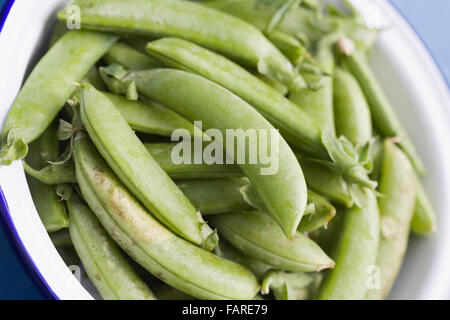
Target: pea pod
(196, 98)
(295, 125)
(130, 58)
(352, 113)
(51, 210)
(255, 234)
(47, 89)
(398, 186)
(424, 218)
(191, 21)
(274, 106)
(383, 114)
(354, 252)
(105, 264)
(175, 261)
(131, 161)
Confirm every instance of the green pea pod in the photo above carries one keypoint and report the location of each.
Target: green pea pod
(287, 286)
(215, 196)
(398, 186)
(283, 114)
(47, 88)
(295, 125)
(383, 114)
(256, 234)
(51, 210)
(188, 20)
(225, 250)
(132, 162)
(352, 113)
(130, 58)
(173, 260)
(355, 252)
(162, 153)
(105, 264)
(196, 98)
(424, 219)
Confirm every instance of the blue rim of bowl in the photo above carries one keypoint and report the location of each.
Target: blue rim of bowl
(14, 236)
(30, 266)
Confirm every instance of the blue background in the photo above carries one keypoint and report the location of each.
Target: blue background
(428, 17)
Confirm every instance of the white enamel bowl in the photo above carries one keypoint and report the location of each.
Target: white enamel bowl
(404, 67)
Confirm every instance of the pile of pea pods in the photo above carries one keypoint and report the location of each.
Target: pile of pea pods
(94, 120)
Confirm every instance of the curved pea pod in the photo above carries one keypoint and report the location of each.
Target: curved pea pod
(398, 187)
(355, 252)
(424, 218)
(256, 234)
(51, 210)
(105, 264)
(352, 113)
(215, 196)
(279, 181)
(134, 165)
(130, 58)
(162, 153)
(295, 125)
(191, 21)
(383, 114)
(173, 260)
(47, 88)
(286, 285)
